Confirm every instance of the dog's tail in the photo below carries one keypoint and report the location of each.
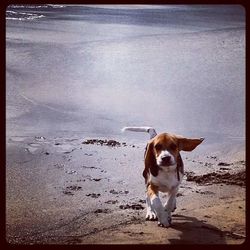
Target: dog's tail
(149, 130)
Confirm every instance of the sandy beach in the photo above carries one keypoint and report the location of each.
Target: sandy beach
(75, 75)
(72, 191)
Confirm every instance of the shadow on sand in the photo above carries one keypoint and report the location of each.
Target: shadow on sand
(194, 231)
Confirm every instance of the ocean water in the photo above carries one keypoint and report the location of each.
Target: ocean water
(92, 69)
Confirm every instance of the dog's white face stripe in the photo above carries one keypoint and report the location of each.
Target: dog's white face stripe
(162, 155)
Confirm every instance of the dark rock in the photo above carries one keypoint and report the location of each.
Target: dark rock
(133, 206)
(113, 191)
(67, 192)
(207, 216)
(93, 195)
(98, 211)
(95, 179)
(216, 178)
(74, 188)
(111, 143)
(137, 206)
(224, 168)
(111, 201)
(118, 192)
(224, 164)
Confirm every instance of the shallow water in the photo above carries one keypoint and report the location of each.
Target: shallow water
(93, 69)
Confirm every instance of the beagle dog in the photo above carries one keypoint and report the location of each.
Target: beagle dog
(163, 171)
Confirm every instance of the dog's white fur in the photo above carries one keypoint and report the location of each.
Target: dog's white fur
(166, 181)
(165, 153)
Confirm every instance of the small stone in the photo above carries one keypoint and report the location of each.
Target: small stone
(223, 164)
(95, 179)
(207, 216)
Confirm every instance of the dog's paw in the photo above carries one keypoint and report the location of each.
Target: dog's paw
(165, 219)
(164, 223)
(151, 215)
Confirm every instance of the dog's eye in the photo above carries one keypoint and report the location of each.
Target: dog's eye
(173, 146)
(158, 146)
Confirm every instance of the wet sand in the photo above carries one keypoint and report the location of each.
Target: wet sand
(95, 70)
(91, 191)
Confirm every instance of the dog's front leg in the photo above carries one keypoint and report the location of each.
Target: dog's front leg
(161, 213)
(170, 205)
(151, 214)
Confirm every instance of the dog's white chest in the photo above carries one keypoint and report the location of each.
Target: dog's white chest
(166, 181)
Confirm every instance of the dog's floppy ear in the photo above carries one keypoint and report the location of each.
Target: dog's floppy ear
(188, 144)
(150, 161)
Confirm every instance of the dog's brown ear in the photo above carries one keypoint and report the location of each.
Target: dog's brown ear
(188, 144)
(150, 162)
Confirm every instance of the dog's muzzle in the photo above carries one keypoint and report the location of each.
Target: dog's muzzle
(165, 159)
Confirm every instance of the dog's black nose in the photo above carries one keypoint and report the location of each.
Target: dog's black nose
(166, 158)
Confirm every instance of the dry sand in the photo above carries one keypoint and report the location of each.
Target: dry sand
(64, 191)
